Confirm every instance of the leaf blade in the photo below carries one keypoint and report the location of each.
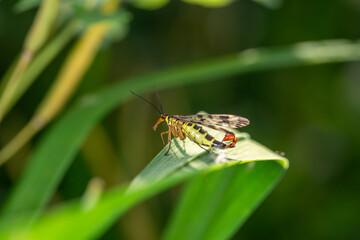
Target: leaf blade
(71, 216)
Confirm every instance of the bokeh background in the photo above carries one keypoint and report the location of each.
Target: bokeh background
(311, 113)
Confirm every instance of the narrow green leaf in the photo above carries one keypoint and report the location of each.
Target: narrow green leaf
(184, 161)
(182, 156)
(40, 62)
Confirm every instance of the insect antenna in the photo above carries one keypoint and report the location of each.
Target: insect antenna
(158, 97)
(147, 102)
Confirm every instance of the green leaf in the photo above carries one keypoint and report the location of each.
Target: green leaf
(39, 63)
(61, 142)
(182, 156)
(241, 183)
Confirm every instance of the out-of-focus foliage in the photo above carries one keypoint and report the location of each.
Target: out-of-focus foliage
(300, 106)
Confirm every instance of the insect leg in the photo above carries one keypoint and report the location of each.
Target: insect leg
(169, 141)
(229, 137)
(180, 131)
(162, 138)
(174, 131)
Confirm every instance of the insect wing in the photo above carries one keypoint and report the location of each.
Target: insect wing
(225, 120)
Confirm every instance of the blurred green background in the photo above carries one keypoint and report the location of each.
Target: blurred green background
(311, 113)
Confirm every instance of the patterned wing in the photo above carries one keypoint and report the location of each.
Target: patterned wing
(217, 128)
(213, 120)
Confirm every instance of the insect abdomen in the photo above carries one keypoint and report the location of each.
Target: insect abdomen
(200, 136)
(218, 144)
(212, 142)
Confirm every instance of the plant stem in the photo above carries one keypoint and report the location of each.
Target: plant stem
(75, 66)
(35, 39)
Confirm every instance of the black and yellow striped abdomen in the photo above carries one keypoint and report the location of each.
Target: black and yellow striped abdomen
(195, 133)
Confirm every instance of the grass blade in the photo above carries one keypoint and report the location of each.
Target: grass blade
(185, 161)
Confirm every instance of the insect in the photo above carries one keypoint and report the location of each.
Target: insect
(182, 126)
